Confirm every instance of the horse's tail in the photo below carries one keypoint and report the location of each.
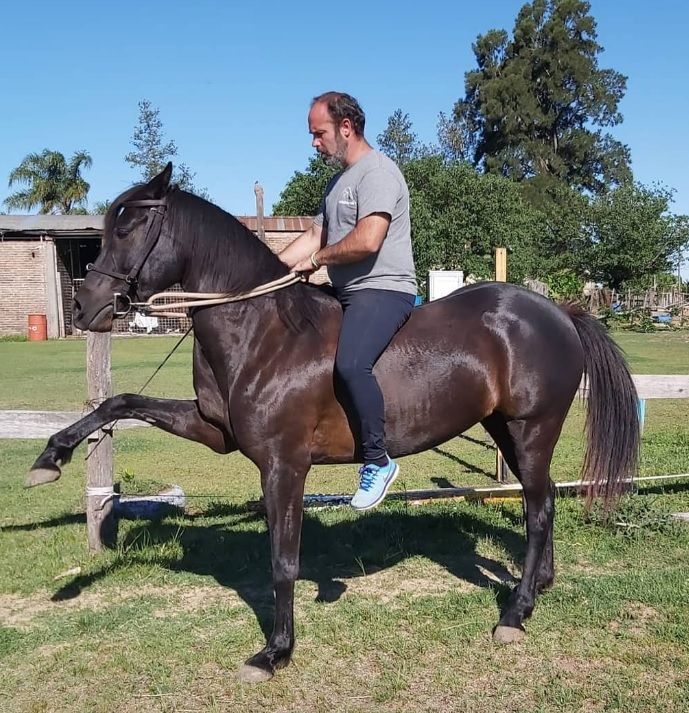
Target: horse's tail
(612, 421)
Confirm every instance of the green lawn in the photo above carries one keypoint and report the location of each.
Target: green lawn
(394, 608)
(28, 378)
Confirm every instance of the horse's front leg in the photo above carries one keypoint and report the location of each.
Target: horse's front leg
(283, 491)
(179, 417)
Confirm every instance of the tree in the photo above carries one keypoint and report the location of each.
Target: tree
(536, 103)
(460, 216)
(305, 190)
(151, 153)
(101, 207)
(398, 141)
(52, 183)
(634, 235)
(456, 141)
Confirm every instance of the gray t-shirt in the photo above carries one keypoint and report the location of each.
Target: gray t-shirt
(373, 184)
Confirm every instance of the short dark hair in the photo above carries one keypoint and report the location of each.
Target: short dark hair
(342, 106)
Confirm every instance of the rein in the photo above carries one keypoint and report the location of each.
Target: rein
(184, 300)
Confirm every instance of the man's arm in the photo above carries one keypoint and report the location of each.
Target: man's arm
(303, 247)
(365, 239)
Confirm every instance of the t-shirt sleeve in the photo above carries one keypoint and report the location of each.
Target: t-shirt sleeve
(378, 192)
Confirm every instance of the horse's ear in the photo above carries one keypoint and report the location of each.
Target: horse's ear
(158, 185)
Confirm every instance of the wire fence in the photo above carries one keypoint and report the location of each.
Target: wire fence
(138, 323)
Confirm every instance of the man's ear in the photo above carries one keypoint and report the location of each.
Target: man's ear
(158, 186)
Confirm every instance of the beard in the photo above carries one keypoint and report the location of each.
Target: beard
(338, 158)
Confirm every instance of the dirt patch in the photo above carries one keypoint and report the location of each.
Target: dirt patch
(387, 585)
(635, 619)
(403, 581)
(21, 611)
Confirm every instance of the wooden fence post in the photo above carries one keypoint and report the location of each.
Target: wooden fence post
(260, 224)
(501, 469)
(100, 519)
(500, 264)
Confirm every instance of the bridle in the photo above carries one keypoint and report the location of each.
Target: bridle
(157, 208)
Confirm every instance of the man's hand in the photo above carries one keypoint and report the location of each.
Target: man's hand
(304, 266)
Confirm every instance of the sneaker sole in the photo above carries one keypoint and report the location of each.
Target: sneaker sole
(383, 494)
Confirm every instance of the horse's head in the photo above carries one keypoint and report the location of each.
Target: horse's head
(137, 257)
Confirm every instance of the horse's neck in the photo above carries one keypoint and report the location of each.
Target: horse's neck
(214, 270)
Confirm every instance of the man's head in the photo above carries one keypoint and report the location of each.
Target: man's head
(336, 122)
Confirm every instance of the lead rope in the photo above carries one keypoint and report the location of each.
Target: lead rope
(207, 299)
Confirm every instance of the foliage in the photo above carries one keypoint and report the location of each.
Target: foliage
(398, 141)
(638, 518)
(564, 284)
(633, 235)
(455, 139)
(101, 207)
(52, 183)
(460, 216)
(151, 153)
(535, 104)
(663, 281)
(305, 190)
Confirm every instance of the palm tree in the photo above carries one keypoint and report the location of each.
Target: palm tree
(52, 183)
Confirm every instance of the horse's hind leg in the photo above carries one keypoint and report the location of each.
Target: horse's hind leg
(283, 488)
(179, 417)
(528, 446)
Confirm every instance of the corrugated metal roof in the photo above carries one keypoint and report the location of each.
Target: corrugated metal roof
(64, 225)
(37, 225)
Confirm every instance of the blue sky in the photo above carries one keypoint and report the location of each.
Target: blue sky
(233, 81)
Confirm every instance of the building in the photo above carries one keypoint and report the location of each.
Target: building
(43, 258)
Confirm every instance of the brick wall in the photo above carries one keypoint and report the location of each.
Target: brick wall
(22, 284)
(278, 241)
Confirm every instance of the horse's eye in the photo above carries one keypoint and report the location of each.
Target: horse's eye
(121, 232)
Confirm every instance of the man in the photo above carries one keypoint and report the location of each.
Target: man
(362, 233)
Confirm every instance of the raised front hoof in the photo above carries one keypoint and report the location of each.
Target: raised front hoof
(508, 635)
(253, 674)
(40, 476)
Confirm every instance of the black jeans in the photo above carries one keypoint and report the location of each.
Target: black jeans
(370, 320)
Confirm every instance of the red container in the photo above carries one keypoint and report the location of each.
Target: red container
(38, 328)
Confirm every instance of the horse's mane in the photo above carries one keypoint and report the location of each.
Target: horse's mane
(225, 255)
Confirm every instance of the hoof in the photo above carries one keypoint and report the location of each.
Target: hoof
(253, 674)
(508, 635)
(39, 476)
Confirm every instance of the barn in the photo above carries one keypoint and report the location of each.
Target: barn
(43, 259)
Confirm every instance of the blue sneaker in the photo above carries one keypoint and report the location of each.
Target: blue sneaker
(373, 484)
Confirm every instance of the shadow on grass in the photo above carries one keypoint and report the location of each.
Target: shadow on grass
(78, 518)
(238, 556)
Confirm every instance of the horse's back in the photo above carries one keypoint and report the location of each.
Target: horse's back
(495, 345)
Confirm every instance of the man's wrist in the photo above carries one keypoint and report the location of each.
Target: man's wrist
(314, 260)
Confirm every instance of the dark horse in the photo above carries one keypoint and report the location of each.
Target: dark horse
(263, 376)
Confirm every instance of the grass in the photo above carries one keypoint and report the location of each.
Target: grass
(394, 607)
(51, 376)
(28, 378)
